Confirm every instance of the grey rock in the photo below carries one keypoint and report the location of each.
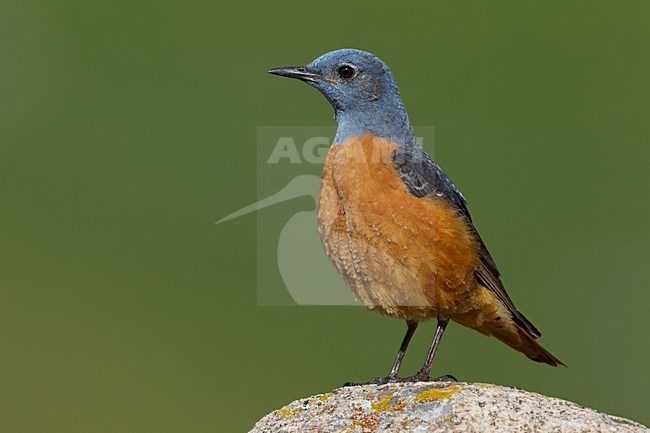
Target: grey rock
(438, 407)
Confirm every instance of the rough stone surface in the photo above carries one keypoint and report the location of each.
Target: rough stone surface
(438, 407)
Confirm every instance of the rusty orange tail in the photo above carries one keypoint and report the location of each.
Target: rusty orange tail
(526, 344)
(491, 317)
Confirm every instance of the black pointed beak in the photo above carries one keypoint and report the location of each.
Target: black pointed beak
(298, 72)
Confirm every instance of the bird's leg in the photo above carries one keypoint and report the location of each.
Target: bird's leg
(423, 374)
(412, 326)
(392, 376)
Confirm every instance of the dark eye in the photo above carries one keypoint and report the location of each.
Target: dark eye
(346, 71)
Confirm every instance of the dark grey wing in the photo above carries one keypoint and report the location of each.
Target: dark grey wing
(422, 178)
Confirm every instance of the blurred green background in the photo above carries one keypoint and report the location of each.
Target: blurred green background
(128, 128)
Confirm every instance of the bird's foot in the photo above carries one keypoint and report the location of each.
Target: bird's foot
(424, 377)
(375, 381)
(418, 377)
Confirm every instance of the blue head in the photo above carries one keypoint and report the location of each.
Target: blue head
(362, 90)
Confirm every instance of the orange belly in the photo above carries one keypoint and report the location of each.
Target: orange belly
(404, 256)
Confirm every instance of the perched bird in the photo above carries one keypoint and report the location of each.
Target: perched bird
(394, 225)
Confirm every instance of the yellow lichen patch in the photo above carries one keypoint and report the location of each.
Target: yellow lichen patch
(285, 412)
(324, 397)
(436, 394)
(383, 404)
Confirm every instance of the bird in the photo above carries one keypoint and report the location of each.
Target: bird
(394, 225)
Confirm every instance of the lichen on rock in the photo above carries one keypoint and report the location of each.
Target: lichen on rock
(438, 407)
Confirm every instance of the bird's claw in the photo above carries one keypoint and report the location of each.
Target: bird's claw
(423, 377)
(374, 381)
(418, 377)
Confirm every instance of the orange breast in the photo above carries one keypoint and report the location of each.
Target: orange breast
(403, 256)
